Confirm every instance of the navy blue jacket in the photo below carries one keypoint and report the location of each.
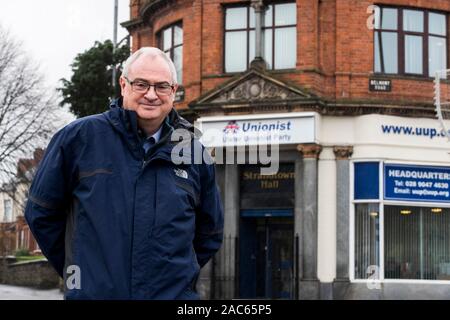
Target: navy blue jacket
(136, 225)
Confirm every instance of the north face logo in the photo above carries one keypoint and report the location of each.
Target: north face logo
(181, 173)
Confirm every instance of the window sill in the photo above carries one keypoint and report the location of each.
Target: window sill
(282, 70)
(232, 74)
(405, 77)
(400, 281)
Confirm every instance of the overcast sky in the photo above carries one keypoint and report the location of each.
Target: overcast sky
(53, 32)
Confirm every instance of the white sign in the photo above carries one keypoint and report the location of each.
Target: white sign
(291, 128)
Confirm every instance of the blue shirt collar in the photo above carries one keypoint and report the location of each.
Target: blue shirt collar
(156, 135)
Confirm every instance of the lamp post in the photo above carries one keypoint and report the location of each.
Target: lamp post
(114, 71)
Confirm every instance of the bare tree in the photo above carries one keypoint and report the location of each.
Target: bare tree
(28, 111)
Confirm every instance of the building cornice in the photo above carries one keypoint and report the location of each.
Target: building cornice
(134, 24)
(319, 106)
(258, 91)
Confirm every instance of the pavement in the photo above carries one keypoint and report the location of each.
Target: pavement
(24, 293)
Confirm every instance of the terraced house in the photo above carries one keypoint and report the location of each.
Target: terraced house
(360, 205)
(15, 235)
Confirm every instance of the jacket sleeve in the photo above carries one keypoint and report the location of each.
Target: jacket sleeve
(46, 207)
(209, 217)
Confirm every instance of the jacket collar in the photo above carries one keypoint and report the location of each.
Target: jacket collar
(126, 123)
(127, 119)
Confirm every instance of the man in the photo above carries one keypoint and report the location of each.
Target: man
(111, 211)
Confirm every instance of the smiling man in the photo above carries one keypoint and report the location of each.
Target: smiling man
(111, 211)
(151, 90)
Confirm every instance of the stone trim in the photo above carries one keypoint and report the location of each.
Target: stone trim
(309, 150)
(151, 8)
(134, 24)
(343, 152)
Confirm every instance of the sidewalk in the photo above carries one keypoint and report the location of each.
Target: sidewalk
(23, 293)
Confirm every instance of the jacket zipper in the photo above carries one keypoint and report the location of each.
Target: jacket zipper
(146, 162)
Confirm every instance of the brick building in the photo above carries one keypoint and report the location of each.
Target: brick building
(15, 233)
(360, 206)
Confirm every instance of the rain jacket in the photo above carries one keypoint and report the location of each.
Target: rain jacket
(130, 225)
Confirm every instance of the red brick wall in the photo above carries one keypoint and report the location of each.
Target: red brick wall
(334, 53)
(135, 5)
(25, 239)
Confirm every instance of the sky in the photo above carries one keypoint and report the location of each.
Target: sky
(53, 32)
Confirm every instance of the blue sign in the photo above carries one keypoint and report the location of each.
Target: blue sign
(416, 183)
(367, 179)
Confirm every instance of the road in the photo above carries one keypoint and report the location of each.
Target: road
(23, 293)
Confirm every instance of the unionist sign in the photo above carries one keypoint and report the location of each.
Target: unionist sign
(256, 130)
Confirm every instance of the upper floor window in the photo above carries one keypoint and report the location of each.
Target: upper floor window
(410, 41)
(171, 42)
(279, 36)
(7, 209)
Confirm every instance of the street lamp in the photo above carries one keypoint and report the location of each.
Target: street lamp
(116, 13)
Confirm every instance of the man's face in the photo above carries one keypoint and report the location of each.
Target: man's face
(150, 105)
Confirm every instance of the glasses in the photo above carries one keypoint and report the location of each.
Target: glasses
(140, 86)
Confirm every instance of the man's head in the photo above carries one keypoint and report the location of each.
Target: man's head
(149, 66)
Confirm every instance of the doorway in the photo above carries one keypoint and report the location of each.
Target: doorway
(266, 258)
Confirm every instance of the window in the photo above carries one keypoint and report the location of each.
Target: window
(171, 42)
(417, 243)
(410, 41)
(399, 239)
(366, 239)
(22, 239)
(279, 36)
(7, 207)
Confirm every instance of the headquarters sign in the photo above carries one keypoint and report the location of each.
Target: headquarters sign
(416, 183)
